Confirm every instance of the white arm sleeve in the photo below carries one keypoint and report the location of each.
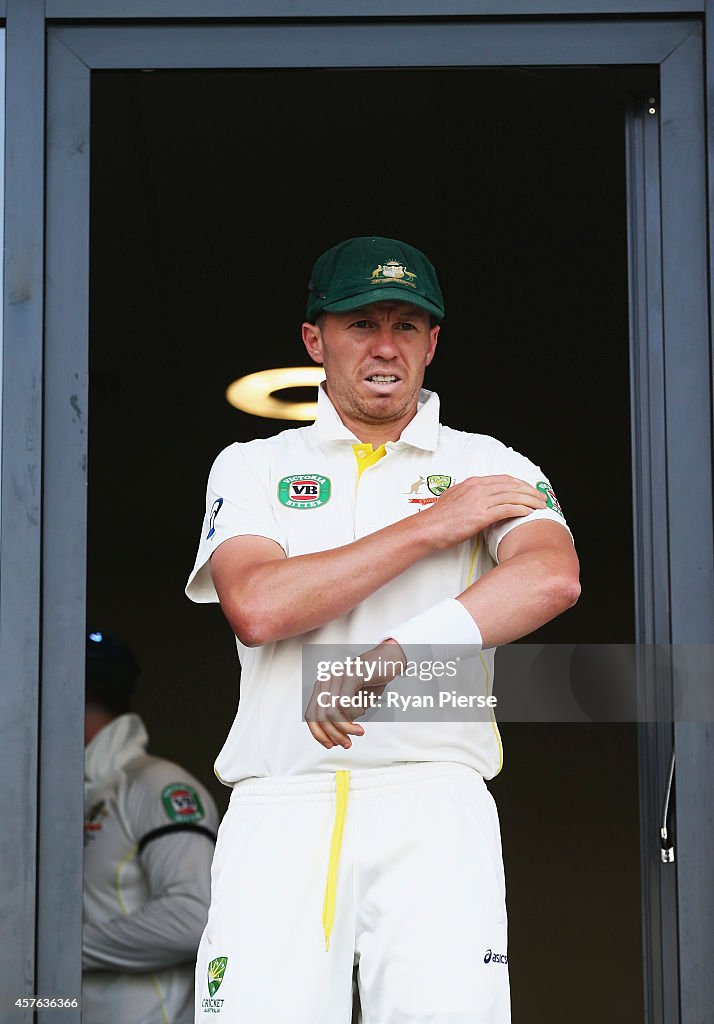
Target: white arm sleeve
(506, 460)
(166, 930)
(238, 504)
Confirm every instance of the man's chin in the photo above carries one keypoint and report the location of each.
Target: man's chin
(384, 409)
(373, 408)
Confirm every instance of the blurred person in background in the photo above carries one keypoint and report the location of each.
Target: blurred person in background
(150, 830)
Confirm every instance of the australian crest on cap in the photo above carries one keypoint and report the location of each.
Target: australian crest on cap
(391, 271)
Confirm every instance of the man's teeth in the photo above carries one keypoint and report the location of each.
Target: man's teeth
(379, 378)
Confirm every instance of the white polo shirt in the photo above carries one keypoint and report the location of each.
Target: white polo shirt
(301, 489)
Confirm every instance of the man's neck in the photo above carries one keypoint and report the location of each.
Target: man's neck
(377, 433)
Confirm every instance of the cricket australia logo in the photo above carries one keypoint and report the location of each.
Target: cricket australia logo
(304, 490)
(438, 483)
(216, 971)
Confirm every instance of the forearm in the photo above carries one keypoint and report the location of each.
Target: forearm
(271, 601)
(519, 596)
(165, 931)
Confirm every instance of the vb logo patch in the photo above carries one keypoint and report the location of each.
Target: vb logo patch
(182, 803)
(551, 500)
(216, 971)
(304, 490)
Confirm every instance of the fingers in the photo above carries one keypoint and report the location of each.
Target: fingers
(340, 732)
(320, 735)
(519, 498)
(331, 734)
(510, 511)
(511, 485)
(328, 724)
(509, 489)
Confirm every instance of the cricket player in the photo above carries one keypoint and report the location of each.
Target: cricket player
(149, 833)
(374, 842)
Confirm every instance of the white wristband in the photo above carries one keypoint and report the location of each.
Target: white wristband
(442, 632)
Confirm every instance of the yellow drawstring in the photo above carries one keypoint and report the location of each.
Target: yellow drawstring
(328, 908)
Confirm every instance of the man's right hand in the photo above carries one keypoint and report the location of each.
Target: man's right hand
(476, 503)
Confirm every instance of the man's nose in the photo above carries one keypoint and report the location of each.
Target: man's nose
(383, 342)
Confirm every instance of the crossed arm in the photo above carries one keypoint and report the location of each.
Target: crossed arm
(165, 929)
(536, 579)
(264, 597)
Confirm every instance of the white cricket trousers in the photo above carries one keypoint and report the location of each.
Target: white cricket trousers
(418, 901)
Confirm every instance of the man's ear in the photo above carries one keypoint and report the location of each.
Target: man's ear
(433, 337)
(312, 338)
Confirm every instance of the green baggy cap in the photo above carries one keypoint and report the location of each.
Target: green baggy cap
(364, 270)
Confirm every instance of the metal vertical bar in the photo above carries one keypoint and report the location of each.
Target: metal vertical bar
(694, 836)
(691, 530)
(647, 369)
(20, 538)
(709, 128)
(687, 348)
(59, 905)
(650, 518)
(701, 744)
(2, 193)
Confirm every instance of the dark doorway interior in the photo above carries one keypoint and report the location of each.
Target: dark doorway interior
(211, 195)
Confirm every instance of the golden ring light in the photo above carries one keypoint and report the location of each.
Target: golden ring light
(254, 393)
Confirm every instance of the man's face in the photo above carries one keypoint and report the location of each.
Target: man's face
(374, 358)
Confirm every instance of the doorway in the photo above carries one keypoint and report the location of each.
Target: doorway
(212, 193)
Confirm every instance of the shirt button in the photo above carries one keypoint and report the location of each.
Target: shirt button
(362, 454)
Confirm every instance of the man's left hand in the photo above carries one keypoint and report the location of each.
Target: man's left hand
(337, 702)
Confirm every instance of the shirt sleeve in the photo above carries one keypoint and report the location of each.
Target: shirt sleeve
(506, 460)
(174, 821)
(238, 504)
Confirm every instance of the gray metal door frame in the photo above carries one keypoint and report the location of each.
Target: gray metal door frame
(45, 397)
